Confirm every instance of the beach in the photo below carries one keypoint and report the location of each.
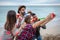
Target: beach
(44, 37)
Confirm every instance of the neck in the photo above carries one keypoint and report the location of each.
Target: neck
(21, 14)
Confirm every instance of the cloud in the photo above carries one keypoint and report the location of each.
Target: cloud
(40, 1)
(7, 3)
(26, 2)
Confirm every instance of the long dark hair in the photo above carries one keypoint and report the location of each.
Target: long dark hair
(11, 20)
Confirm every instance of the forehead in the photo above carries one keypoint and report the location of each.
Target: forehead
(23, 8)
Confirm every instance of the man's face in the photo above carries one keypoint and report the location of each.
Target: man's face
(22, 10)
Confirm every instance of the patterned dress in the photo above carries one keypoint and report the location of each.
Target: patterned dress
(27, 34)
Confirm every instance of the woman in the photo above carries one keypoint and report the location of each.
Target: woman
(9, 25)
(28, 32)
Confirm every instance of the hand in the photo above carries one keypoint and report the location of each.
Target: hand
(51, 16)
(17, 33)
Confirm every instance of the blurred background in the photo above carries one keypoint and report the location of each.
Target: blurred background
(41, 7)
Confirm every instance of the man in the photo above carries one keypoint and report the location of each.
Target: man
(35, 19)
(20, 20)
(20, 15)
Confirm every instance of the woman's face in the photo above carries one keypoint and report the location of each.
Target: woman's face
(31, 20)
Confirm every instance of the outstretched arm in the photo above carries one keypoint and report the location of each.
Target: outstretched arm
(43, 22)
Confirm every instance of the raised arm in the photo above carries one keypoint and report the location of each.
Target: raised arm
(18, 31)
(43, 22)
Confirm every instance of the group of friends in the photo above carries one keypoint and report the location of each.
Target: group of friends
(24, 26)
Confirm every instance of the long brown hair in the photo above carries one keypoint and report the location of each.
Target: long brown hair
(11, 20)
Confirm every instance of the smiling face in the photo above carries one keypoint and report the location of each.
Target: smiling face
(22, 10)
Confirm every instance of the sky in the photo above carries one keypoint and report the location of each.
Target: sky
(28, 2)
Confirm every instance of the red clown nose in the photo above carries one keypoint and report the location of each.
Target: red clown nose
(8, 32)
(53, 15)
(18, 15)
